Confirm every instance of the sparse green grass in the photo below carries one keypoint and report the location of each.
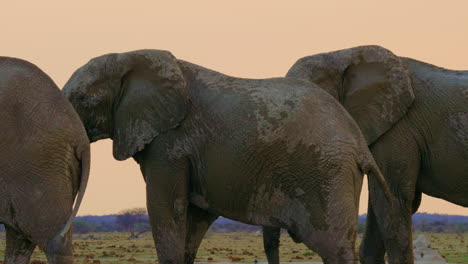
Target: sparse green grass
(453, 247)
(113, 248)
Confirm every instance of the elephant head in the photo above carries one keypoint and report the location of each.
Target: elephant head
(130, 97)
(371, 82)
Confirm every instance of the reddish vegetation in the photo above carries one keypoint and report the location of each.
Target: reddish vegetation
(235, 259)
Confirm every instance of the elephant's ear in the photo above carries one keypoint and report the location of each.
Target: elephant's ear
(371, 82)
(152, 99)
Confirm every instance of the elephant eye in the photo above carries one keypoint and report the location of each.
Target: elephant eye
(80, 97)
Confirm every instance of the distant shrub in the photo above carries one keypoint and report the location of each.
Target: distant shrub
(133, 220)
(136, 221)
(82, 227)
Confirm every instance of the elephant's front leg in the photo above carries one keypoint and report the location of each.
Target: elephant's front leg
(271, 236)
(198, 223)
(167, 202)
(401, 171)
(372, 250)
(395, 233)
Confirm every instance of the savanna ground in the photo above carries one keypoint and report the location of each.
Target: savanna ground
(113, 248)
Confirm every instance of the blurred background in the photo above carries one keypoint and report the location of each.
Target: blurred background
(254, 39)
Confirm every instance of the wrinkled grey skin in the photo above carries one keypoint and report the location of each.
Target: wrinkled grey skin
(44, 163)
(269, 152)
(414, 117)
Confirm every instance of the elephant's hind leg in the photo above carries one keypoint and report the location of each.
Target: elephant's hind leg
(59, 250)
(198, 222)
(330, 229)
(271, 236)
(333, 248)
(334, 240)
(18, 248)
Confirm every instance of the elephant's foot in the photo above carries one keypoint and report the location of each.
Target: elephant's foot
(399, 253)
(372, 260)
(59, 259)
(341, 256)
(331, 247)
(325, 261)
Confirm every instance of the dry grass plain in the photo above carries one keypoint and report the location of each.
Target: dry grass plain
(113, 248)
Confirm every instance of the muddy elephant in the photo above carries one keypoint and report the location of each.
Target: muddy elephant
(269, 152)
(414, 117)
(44, 164)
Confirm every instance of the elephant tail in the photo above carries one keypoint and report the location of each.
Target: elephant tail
(85, 168)
(370, 168)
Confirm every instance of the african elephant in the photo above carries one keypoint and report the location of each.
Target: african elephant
(44, 164)
(415, 120)
(269, 152)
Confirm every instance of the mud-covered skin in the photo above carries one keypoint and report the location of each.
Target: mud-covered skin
(44, 163)
(269, 152)
(425, 150)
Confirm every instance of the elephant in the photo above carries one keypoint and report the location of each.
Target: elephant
(415, 121)
(269, 152)
(44, 164)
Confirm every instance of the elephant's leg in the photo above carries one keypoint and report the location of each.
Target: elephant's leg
(271, 236)
(18, 248)
(395, 232)
(336, 245)
(401, 170)
(198, 223)
(59, 249)
(167, 202)
(417, 201)
(372, 248)
(328, 224)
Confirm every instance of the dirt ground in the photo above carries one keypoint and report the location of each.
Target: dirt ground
(113, 248)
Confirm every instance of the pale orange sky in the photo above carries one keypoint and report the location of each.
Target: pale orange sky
(253, 39)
